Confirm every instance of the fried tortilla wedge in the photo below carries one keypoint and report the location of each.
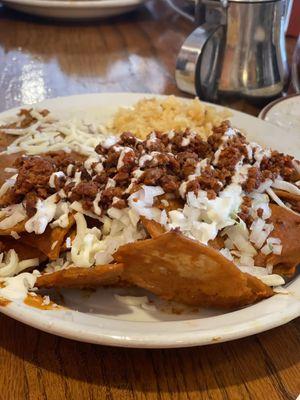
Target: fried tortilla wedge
(81, 278)
(287, 229)
(18, 228)
(7, 198)
(24, 251)
(6, 161)
(177, 268)
(5, 140)
(292, 198)
(154, 228)
(167, 203)
(51, 241)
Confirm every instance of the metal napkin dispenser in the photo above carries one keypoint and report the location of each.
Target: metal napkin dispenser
(237, 50)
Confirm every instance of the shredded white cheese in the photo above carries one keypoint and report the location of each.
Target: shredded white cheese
(10, 264)
(52, 134)
(45, 212)
(16, 288)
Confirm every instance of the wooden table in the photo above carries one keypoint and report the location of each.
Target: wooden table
(41, 59)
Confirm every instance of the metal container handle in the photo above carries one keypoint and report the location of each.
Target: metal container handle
(190, 57)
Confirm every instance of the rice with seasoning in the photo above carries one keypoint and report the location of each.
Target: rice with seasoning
(165, 114)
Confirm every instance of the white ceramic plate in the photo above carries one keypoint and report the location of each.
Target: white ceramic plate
(73, 9)
(285, 113)
(101, 318)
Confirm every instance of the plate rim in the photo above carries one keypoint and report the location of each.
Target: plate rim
(70, 330)
(66, 328)
(264, 112)
(74, 4)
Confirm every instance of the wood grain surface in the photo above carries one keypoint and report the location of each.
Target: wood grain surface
(136, 52)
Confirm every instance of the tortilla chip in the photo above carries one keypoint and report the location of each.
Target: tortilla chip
(6, 160)
(155, 229)
(292, 198)
(172, 204)
(51, 241)
(287, 229)
(217, 243)
(5, 140)
(8, 198)
(152, 227)
(81, 278)
(177, 268)
(24, 251)
(18, 228)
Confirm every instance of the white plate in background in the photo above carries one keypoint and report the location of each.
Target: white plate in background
(73, 9)
(101, 318)
(285, 113)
